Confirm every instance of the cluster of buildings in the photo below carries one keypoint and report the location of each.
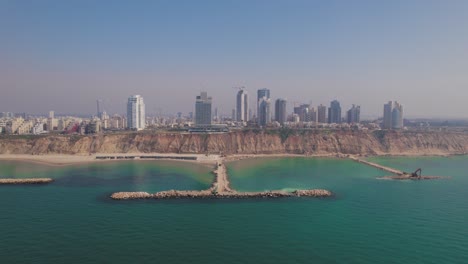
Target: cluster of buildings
(21, 124)
(266, 116)
(264, 113)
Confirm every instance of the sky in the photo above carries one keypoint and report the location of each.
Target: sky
(63, 55)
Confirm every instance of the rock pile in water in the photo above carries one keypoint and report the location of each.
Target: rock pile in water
(210, 194)
(26, 181)
(130, 195)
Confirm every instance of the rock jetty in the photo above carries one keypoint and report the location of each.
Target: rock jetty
(26, 181)
(375, 165)
(207, 194)
(131, 195)
(220, 189)
(408, 177)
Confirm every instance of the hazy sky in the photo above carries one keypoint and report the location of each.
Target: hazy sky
(63, 55)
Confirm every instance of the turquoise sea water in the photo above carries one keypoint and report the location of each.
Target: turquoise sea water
(368, 221)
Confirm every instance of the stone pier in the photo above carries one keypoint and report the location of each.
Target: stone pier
(378, 166)
(218, 190)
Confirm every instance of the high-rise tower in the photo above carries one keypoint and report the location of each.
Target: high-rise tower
(242, 106)
(264, 114)
(203, 109)
(136, 113)
(263, 107)
(334, 112)
(99, 108)
(280, 111)
(393, 116)
(354, 114)
(322, 114)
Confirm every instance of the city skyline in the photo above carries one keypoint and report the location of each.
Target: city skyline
(361, 53)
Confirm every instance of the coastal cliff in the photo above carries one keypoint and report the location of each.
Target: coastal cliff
(245, 142)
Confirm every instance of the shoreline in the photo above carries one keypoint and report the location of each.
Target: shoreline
(59, 160)
(71, 159)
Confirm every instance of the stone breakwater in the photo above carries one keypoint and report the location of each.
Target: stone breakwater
(378, 166)
(206, 194)
(408, 177)
(26, 181)
(219, 189)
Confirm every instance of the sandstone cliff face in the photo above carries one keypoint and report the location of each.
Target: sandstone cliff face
(245, 142)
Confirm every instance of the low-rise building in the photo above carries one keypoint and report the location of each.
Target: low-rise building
(38, 128)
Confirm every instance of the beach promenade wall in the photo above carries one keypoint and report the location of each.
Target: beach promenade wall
(245, 142)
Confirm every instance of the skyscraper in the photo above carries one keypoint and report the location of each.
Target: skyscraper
(136, 113)
(387, 116)
(334, 112)
(354, 114)
(264, 115)
(99, 108)
(280, 111)
(263, 93)
(263, 107)
(397, 116)
(393, 116)
(322, 114)
(203, 109)
(242, 106)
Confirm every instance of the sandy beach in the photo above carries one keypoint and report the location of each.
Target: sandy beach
(65, 160)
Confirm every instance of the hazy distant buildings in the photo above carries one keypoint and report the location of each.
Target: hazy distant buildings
(215, 116)
(393, 116)
(302, 112)
(203, 109)
(95, 126)
(322, 114)
(118, 122)
(263, 107)
(334, 112)
(306, 113)
(52, 122)
(354, 115)
(280, 111)
(242, 106)
(312, 115)
(99, 108)
(136, 113)
(7, 115)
